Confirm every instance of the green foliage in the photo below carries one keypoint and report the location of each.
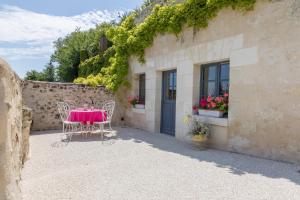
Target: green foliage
(94, 64)
(48, 74)
(130, 39)
(34, 75)
(76, 48)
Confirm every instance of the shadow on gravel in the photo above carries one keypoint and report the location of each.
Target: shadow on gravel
(33, 133)
(238, 164)
(109, 137)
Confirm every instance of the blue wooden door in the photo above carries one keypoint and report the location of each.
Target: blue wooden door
(168, 105)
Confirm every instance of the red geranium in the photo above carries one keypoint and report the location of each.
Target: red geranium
(133, 100)
(215, 103)
(203, 103)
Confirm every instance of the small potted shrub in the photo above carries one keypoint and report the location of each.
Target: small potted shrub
(198, 130)
(214, 106)
(195, 109)
(134, 102)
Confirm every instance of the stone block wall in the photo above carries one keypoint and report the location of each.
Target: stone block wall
(13, 141)
(42, 97)
(26, 126)
(263, 49)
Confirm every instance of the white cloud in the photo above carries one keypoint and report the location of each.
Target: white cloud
(37, 31)
(43, 51)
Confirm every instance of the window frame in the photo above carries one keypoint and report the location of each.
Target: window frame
(218, 77)
(142, 90)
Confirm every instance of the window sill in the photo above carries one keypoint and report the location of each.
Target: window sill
(139, 110)
(212, 120)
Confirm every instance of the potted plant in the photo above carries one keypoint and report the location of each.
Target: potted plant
(134, 102)
(198, 130)
(195, 109)
(214, 106)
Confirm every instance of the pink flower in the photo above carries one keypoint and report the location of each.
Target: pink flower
(226, 95)
(209, 99)
(213, 105)
(203, 103)
(218, 99)
(195, 107)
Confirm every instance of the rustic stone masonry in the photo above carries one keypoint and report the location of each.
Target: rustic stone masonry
(42, 97)
(14, 133)
(26, 124)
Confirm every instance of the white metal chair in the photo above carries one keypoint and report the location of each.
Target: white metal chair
(64, 111)
(100, 104)
(71, 103)
(107, 116)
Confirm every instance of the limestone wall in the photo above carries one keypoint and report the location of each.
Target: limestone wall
(13, 141)
(26, 128)
(42, 97)
(263, 47)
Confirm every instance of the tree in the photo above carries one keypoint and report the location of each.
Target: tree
(34, 75)
(76, 48)
(49, 73)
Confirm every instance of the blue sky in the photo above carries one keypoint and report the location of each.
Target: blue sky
(31, 26)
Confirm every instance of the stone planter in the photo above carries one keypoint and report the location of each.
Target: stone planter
(139, 106)
(210, 113)
(199, 138)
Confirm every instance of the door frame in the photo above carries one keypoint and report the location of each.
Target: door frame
(162, 102)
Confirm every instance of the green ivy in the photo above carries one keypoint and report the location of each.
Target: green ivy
(130, 39)
(94, 64)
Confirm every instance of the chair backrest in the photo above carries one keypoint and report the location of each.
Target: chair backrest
(71, 103)
(109, 109)
(63, 109)
(100, 104)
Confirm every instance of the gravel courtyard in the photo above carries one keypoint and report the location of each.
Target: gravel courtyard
(140, 165)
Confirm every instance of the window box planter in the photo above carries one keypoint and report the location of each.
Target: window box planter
(139, 106)
(210, 113)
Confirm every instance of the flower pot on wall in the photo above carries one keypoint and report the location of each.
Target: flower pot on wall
(199, 138)
(139, 106)
(210, 113)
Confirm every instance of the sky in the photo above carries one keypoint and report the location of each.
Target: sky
(29, 27)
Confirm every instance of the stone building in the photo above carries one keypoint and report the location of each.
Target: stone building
(256, 54)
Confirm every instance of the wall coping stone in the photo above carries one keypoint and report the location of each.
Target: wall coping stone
(60, 83)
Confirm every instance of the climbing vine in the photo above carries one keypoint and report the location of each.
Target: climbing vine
(130, 38)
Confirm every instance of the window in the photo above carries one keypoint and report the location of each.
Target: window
(171, 85)
(214, 79)
(142, 88)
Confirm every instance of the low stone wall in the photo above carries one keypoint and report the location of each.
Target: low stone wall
(13, 143)
(42, 97)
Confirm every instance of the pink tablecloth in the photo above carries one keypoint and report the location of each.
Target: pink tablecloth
(87, 116)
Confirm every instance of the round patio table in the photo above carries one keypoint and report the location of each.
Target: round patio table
(87, 116)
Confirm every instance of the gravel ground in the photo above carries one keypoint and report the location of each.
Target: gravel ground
(140, 165)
